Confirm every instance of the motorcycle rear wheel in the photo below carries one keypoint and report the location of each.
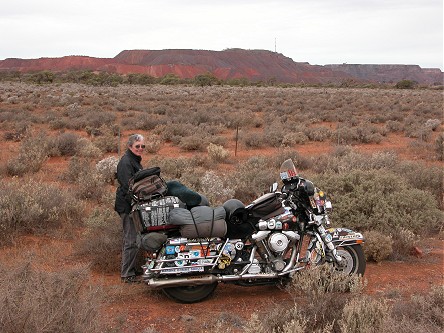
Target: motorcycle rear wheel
(191, 294)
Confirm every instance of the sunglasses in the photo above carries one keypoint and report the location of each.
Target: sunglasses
(139, 146)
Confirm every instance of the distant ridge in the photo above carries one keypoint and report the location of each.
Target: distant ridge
(255, 65)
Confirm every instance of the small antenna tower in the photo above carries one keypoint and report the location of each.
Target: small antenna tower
(275, 45)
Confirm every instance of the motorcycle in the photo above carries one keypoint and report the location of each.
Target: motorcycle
(264, 243)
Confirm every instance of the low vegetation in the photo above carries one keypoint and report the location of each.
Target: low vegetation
(62, 142)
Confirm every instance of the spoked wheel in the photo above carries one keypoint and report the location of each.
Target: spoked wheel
(191, 294)
(353, 259)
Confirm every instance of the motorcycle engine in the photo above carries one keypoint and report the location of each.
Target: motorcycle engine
(278, 242)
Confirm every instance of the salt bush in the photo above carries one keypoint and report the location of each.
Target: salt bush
(293, 138)
(213, 187)
(364, 315)
(107, 169)
(101, 242)
(433, 124)
(153, 143)
(86, 148)
(32, 154)
(380, 200)
(31, 206)
(44, 301)
(377, 246)
(217, 153)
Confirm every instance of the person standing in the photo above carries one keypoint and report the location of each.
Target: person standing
(128, 165)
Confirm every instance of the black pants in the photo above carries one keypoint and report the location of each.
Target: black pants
(129, 247)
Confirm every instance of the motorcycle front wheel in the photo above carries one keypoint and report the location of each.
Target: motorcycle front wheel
(353, 259)
(191, 294)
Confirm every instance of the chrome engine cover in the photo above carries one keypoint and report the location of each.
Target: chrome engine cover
(278, 242)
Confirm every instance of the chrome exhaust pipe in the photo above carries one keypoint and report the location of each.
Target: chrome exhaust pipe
(180, 281)
(204, 279)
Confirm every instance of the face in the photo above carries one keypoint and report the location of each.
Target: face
(137, 148)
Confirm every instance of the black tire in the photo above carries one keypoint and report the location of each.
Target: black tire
(191, 294)
(354, 259)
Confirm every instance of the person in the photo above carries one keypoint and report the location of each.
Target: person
(128, 165)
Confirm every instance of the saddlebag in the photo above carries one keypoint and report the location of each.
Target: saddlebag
(153, 215)
(266, 206)
(147, 184)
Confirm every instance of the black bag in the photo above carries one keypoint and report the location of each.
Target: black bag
(266, 206)
(147, 184)
(154, 215)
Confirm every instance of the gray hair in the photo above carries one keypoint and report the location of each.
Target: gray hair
(133, 138)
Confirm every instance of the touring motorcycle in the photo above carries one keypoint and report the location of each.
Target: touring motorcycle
(264, 242)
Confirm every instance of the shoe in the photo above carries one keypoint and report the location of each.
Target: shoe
(131, 279)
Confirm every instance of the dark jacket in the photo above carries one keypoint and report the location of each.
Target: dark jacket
(128, 165)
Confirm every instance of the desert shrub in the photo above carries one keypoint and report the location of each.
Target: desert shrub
(107, 142)
(317, 281)
(366, 200)
(30, 206)
(33, 153)
(405, 84)
(215, 189)
(85, 148)
(377, 246)
(281, 320)
(173, 168)
(101, 242)
(90, 185)
(153, 143)
(364, 315)
(217, 153)
(433, 124)
(430, 178)
(319, 134)
(293, 138)
(404, 241)
(439, 147)
(253, 140)
(394, 126)
(345, 159)
(107, 169)
(251, 178)
(67, 144)
(76, 166)
(193, 142)
(421, 313)
(43, 301)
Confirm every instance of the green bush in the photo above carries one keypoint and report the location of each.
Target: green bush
(405, 84)
(380, 200)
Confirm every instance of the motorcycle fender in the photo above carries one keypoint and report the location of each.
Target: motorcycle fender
(343, 236)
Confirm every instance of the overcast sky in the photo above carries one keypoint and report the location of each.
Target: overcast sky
(316, 31)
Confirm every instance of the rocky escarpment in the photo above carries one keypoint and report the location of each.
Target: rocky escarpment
(254, 65)
(391, 73)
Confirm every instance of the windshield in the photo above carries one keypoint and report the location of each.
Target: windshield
(288, 170)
